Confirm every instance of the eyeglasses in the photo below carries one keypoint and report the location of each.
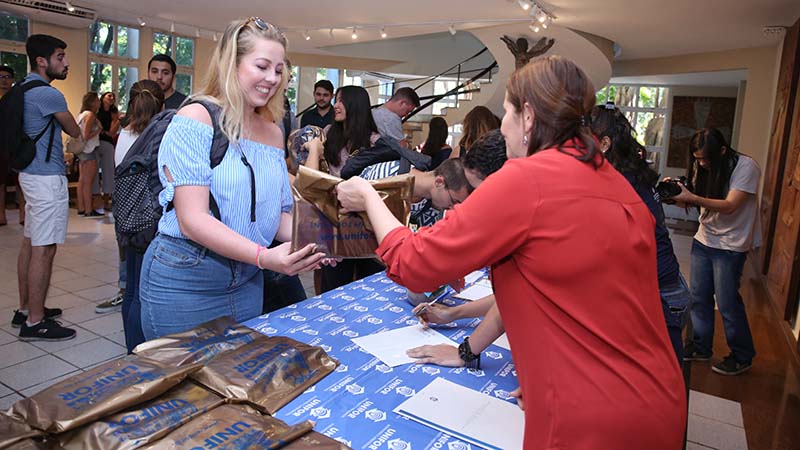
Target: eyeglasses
(6, 77)
(453, 201)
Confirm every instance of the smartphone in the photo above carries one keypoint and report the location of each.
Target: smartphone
(438, 293)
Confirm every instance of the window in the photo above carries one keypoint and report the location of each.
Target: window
(352, 78)
(113, 54)
(291, 88)
(440, 87)
(647, 110)
(13, 33)
(181, 49)
(13, 28)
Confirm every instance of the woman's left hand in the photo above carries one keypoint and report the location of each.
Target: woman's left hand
(352, 194)
(440, 354)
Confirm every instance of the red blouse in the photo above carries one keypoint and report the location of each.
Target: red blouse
(573, 261)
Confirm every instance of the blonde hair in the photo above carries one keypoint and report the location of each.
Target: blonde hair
(221, 84)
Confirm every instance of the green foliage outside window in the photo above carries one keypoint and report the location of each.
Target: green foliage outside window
(13, 28)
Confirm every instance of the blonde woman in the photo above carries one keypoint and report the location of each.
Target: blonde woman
(198, 267)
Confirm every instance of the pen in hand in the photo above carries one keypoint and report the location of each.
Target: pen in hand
(422, 310)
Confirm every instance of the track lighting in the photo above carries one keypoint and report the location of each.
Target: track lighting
(524, 4)
(306, 36)
(354, 36)
(172, 27)
(452, 29)
(69, 6)
(383, 33)
(141, 21)
(534, 26)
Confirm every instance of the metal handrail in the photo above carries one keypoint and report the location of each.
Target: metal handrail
(428, 79)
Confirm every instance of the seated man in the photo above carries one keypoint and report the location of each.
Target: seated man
(434, 191)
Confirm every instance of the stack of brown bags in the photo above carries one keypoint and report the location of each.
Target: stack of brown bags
(214, 385)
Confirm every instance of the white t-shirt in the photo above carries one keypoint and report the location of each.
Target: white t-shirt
(741, 230)
(124, 142)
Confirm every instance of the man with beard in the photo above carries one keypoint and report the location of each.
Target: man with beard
(45, 186)
(322, 115)
(161, 69)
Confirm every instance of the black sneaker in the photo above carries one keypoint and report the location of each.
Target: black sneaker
(691, 353)
(94, 213)
(729, 366)
(46, 330)
(20, 318)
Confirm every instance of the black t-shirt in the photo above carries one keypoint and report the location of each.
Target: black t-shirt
(174, 101)
(105, 118)
(313, 118)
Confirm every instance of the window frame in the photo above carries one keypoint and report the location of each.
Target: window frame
(114, 60)
(655, 110)
(17, 47)
(181, 69)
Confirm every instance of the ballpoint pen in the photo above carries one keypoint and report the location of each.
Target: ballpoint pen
(422, 310)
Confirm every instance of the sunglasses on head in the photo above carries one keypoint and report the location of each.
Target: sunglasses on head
(258, 22)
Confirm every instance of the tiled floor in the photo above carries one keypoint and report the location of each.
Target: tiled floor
(764, 402)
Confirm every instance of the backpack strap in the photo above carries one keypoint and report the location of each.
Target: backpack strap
(27, 87)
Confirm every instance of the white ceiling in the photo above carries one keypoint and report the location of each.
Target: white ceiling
(643, 28)
(725, 78)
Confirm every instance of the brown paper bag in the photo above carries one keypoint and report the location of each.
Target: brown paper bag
(198, 344)
(145, 423)
(230, 427)
(316, 217)
(103, 390)
(13, 430)
(268, 373)
(35, 444)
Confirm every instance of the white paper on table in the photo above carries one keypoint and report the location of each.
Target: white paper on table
(466, 414)
(477, 291)
(390, 346)
(502, 341)
(473, 277)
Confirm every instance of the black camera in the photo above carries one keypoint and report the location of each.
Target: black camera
(669, 189)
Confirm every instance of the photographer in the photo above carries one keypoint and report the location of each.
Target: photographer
(723, 183)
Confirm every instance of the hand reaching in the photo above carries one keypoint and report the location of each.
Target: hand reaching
(440, 354)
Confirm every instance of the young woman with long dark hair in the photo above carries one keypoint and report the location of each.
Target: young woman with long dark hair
(723, 183)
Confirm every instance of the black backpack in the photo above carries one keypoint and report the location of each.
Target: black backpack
(15, 145)
(137, 185)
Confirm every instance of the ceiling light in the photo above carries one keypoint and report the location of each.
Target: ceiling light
(542, 17)
(535, 11)
(534, 26)
(546, 23)
(524, 4)
(354, 36)
(452, 29)
(772, 30)
(69, 6)
(306, 36)
(383, 33)
(141, 21)
(172, 27)
(331, 32)
(197, 33)
(214, 36)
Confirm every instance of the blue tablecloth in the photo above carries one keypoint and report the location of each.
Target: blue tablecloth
(354, 404)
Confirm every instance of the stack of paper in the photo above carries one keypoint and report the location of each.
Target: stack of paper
(477, 291)
(390, 346)
(467, 415)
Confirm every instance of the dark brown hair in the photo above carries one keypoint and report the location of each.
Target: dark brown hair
(561, 95)
(714, 181)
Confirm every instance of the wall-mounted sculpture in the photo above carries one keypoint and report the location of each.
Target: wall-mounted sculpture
(523, 54)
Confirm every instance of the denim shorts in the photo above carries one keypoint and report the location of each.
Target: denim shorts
(184, 285)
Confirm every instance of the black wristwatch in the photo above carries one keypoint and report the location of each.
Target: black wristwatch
(471, 360)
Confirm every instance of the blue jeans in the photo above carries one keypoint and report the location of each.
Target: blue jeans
(675, 301)
(719, 272)
(184, 285)
(131, 307)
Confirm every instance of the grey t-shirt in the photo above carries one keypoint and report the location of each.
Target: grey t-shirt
(389, 123)
(741, 230)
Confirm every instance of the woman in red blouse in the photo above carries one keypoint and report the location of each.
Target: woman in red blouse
(573, 262)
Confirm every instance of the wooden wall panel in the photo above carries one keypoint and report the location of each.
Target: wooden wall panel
(781, 128)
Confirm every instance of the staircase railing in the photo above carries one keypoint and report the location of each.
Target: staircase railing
(461, 88)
